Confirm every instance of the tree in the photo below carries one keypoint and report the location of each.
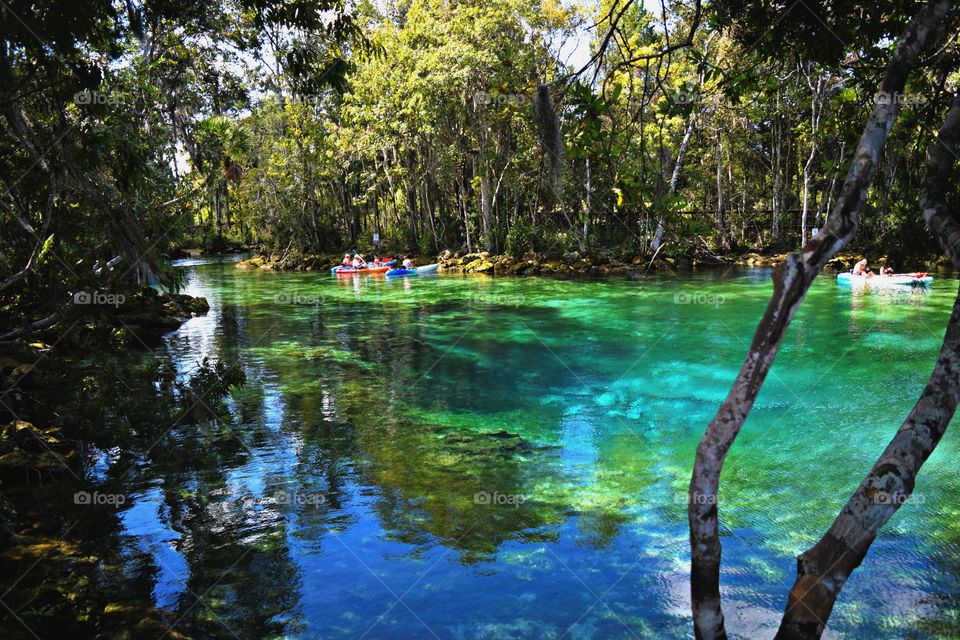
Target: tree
(791, 281)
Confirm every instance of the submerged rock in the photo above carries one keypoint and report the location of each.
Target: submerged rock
(496, 443)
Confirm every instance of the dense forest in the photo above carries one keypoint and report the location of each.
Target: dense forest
(505, 126)
(464, 125)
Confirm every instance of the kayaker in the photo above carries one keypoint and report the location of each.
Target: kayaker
(346, 260)
(408, 263)
(860, 269)
(886, 271)
(357, 262)
(376, 260)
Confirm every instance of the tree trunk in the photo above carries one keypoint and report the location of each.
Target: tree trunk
(823, 570)
(485, 209)
(807, 176)
(217, 207)
(833, 180)
(721, 222)
(586, 213)
(414, 217)
(675, 175)
(817, 100)
(791, 280)
(465, 212)
(428, 209)
(775, 202)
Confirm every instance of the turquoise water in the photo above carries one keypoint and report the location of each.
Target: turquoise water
(469, 457)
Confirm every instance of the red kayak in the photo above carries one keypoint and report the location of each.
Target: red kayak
(385, 266)
(348, 271)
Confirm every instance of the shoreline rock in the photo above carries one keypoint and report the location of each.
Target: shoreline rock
(138, 321)
(572, 263)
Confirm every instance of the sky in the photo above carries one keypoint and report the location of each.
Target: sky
(576, 52)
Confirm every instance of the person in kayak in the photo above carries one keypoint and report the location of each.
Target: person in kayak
(357, 262)
(376, 260)
(886, 271)
(346, 260)
(408, 263)
(861, 269)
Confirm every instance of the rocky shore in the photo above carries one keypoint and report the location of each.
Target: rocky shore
(573, 263)
(33, 456)
(600, 263)
(151, 314)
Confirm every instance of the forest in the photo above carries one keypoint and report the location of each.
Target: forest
(306, 127)
(134, 133)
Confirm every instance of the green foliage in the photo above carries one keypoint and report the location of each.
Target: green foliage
(522, 238)
(132, 130)
(101, 101)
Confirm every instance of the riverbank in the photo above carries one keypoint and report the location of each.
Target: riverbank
(595, 263)
(60, 589)
(26, 368)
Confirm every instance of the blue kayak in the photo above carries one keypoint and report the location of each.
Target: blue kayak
(412, 272)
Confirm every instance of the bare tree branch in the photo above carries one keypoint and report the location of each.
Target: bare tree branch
(30, 328)
(614, 28)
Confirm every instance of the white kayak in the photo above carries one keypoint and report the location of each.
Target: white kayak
(894, 280)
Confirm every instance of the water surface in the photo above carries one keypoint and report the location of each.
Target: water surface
(475, 457)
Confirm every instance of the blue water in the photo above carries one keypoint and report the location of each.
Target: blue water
(344, 496)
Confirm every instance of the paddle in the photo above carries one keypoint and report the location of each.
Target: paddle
(364, 262)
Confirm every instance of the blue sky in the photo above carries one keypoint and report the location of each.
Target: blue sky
(576, 52)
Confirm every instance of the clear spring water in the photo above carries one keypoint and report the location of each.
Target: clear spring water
(475, 457)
